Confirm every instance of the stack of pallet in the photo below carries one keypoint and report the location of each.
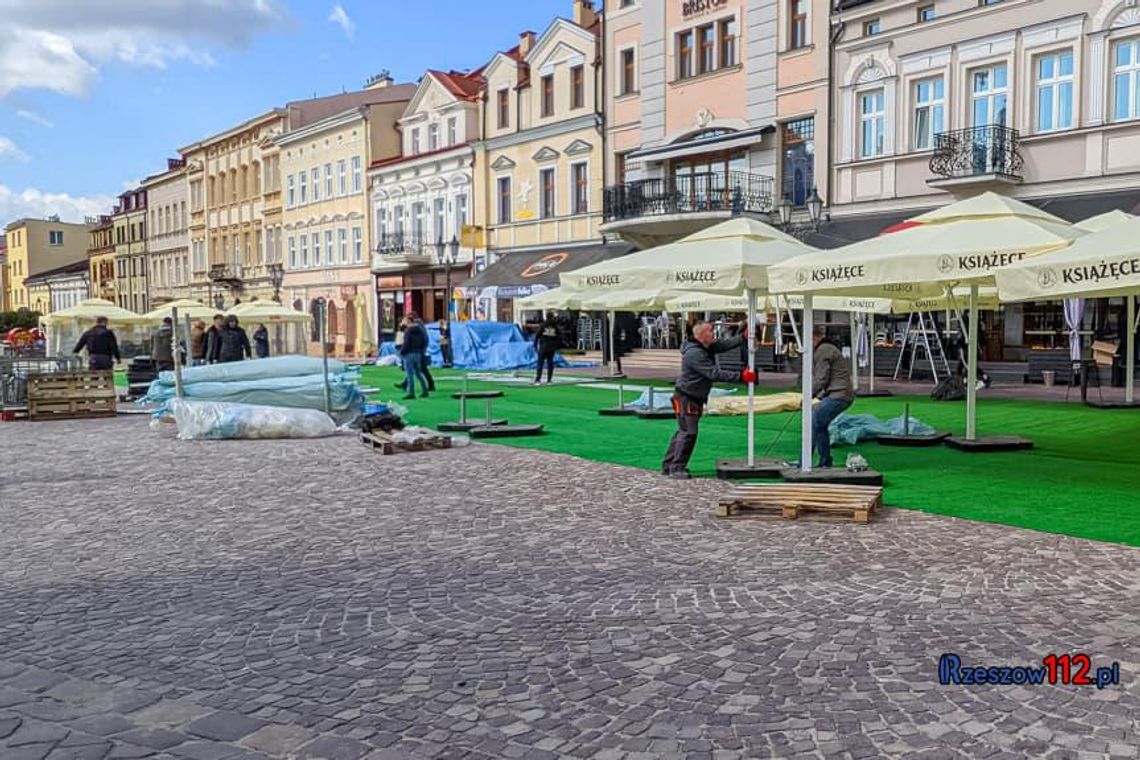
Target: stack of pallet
(791, 501)
(71, 395)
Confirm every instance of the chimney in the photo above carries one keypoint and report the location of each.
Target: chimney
(584, 13)
(526, 42)
(381, 80)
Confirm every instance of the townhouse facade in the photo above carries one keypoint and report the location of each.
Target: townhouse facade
(101, 257)
(328, 239)
(58, 288)
(38, 245)
(4, 275)
(129, 222)
(168, 238)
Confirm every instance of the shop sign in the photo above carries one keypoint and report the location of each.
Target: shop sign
(544, 265)
(691, 8)
(389, 283)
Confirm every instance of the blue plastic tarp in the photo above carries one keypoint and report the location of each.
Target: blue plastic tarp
(852, 428)
(253, 369)
(483, 346)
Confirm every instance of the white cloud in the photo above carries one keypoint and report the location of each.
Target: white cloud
(341, 19)
(9, 149)
(59, 45)
(35, 118)
(37, 203)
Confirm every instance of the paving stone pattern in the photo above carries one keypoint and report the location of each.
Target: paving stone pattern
(313, 599)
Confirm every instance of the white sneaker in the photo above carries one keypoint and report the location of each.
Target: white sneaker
(981, 385)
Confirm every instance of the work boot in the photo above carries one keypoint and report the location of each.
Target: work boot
(409, 396)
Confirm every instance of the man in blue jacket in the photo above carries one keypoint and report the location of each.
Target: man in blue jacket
(412, 352)
(699, 371)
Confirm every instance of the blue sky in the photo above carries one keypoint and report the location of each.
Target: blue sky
(96, 95)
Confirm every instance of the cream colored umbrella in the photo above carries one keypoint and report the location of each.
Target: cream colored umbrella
(364, 342)
(266, 311)
(90, 309)
(555, 298)
(1102, 222)
(1101, 264)
(186, 308)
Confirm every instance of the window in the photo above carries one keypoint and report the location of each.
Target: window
(798, 32)
(925, 13)
(415, 141)
(356, 175)
(504, 186)
(726, 39)
(1126, 80)
(799, 160)
(290, 197)
(357, 245)
(460, 213)
(706, 39)
(628, 73)
(418, 221)
(433, 137)
(398, 216)
(304, 250)
(871, 28)
(504, 97)
(439, 217)
(548, 95)
(55, 237)
(580, 176)
(451, 131)
(304, 187)
(546, 199)
(328, 181)
(342, 244)
(929, 106)
(871, 120)
(1055, 91)
(342, 186)
(577, 87)
(316, 238)
(990, 96)
(316, 174)
(685, 55)
(988, 2)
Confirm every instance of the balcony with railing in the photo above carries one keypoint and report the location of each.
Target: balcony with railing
(989, 154)
(656, 210)
(399, 251)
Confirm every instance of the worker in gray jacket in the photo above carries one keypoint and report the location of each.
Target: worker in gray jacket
(699, 371)
(831, 384)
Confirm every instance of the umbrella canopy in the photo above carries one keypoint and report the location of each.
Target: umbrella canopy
(729, 257)
(264, 311)
(558, 298)
(1104, 221)
(185, 306)
(962, 243)
(88, 310)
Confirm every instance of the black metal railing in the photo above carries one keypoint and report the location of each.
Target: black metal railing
(690, 194)
(403, 244)
(977, 151)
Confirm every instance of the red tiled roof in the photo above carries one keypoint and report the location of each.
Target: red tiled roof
(465, 86)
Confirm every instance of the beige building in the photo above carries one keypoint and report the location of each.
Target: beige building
(101, 258)
(59, 288)
(168, 239)
(129, 223)
(325, 215)
(35, 246)
(539, 166)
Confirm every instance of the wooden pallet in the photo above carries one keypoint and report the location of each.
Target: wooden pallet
(819, 501)
(71, 395)
(387, 445)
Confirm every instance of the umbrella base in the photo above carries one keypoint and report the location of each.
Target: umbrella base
(1113, 404)
(873, 394)
(505, 431)
(738, 469)
(656, 414)
(913, 441)
(989, 443)
(838, 475)
(466, 427)
(618, 411)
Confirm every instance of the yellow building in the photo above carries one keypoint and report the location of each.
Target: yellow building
(538, 185)
(101, 258)
(130, 228)
(35, 246)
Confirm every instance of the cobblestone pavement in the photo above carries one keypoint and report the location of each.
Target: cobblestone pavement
(317, 600)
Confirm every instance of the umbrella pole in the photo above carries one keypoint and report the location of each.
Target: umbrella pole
(807, 357)
(854, 351)
(1130, 360)
(871, 349)
(752, 386)
(186, 337)
(177, 355)
(972, 368)
(613, 356)
(323, 314)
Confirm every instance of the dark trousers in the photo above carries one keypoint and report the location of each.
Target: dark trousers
(100, 362)
(426, 362)
(684, 440)
(448, 357)
(545, 358)
(164, 366)
(826, 411)
(413, 370)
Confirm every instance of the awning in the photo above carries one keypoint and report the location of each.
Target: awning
(517, 275)
(725, 141)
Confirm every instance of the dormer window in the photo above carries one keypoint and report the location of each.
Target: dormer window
(504, 104)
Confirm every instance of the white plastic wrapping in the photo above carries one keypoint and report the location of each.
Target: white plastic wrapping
(218, 420)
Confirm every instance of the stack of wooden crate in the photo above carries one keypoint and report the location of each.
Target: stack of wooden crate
(71, 395)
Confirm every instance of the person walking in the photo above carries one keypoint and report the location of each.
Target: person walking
(162, 346)
(261, 341)
(699, 371)
(831, 384)
(445, 343)
(412, 352)
(102, 346)
(425, 365)
(198, 343)
(213, 339)
(234, 343)
(546, 345)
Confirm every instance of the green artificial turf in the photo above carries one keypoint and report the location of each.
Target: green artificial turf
(1081, 479)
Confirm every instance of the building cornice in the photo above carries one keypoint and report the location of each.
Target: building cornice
(342, 119)
(268, 116)
(465, 150)
(541, 133)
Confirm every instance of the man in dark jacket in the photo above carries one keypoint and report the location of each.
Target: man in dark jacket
(412, 352)
(102, 347)
(546, 345)
(699, 371)
(162, 346)
(831, 384)
(214, 339)
(234, 343)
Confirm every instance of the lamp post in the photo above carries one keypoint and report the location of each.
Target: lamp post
(814, 206)
(276, 277)
(446, 255)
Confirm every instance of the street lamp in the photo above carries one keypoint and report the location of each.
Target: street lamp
(219, 302)
(815, 207)
(785, 209)
(276, 277)
(446, 255)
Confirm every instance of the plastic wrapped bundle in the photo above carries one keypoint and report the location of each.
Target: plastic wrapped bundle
(216, 420)
(261, 391)
(254, 369)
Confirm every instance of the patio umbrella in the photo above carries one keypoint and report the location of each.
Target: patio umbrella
(1103, 221)
(91, 308)
(557, 298)
(186, 308)
(265, 311)
(1101, 264)
(963, 243)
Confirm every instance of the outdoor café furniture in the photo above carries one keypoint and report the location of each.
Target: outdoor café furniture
(465, 425)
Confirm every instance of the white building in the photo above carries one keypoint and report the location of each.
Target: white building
(168, 233)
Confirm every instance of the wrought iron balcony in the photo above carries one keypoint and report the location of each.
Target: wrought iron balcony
(225, 273)
(986, 151)
(690, 194)
(405, 244)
